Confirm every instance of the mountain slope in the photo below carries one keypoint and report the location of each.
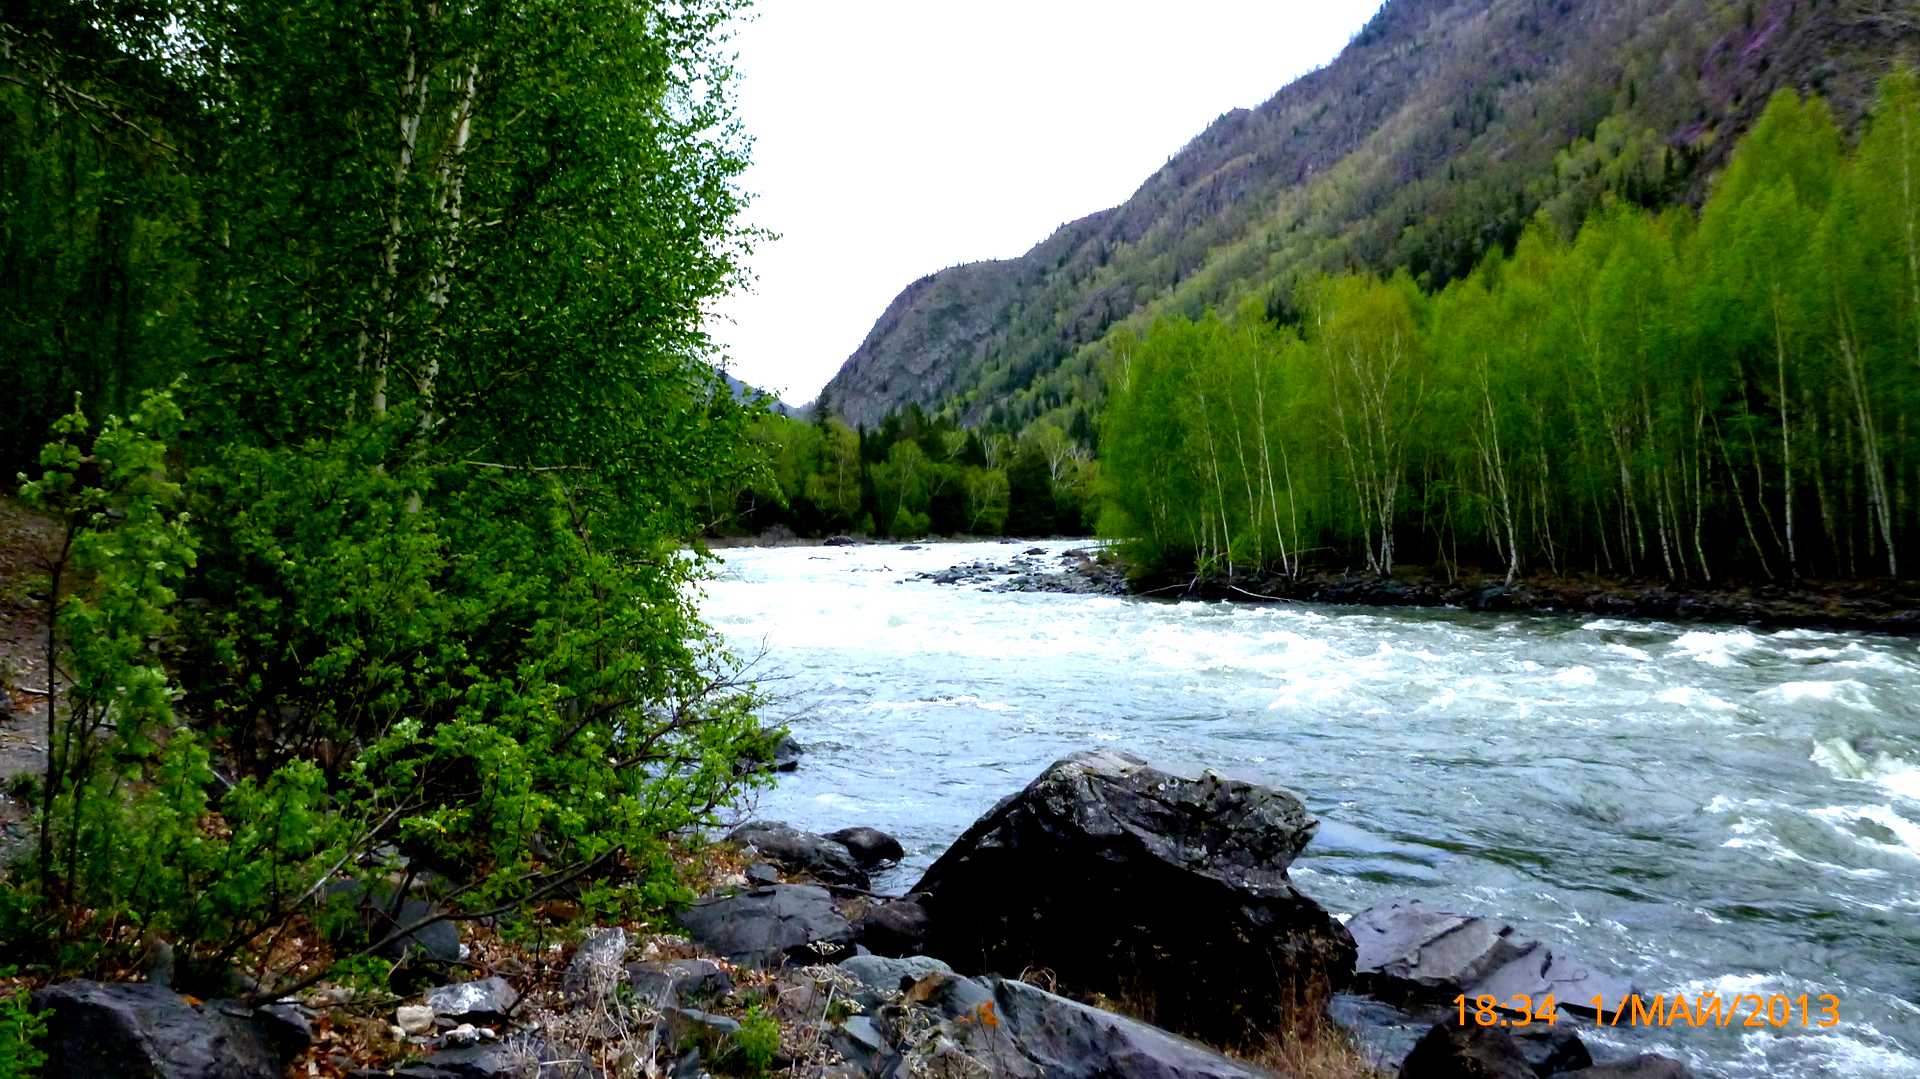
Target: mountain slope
(1440, 130)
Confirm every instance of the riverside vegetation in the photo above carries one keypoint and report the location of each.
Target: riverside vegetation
(1660, 394)
(365, 345)
(357, 371)
(1695, 398)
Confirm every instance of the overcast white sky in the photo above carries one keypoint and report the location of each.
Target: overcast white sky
(897, 137)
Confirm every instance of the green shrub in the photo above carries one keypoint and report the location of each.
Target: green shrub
(21, 1029)
(758, 1040)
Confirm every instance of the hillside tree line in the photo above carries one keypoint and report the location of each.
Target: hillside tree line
(1727, 395)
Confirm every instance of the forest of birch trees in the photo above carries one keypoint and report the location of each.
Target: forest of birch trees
(1707, 396)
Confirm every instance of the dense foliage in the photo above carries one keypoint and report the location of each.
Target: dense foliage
(390, 585)
(1656, 395)
(909, 477)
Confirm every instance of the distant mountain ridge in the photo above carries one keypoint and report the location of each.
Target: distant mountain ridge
(1442, 128)
(745, 392)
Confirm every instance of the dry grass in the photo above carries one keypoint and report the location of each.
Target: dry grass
(1315, 1047)
(1304, 1041)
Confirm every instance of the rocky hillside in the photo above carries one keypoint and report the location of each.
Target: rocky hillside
(1438, 133)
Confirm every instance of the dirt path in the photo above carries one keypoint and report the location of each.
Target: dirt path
(26, 544)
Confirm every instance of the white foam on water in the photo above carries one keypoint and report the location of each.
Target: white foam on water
(1800, 635)
(1844, 1051)
(1875, 660)
(1895, 775)
(1844, 692)
(1694, 698)
(1906, 832)
(1751, 833)
(1577, 676)
(1637, 654)
(1733, 984)
(1715, 648)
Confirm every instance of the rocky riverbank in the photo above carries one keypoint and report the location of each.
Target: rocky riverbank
(1106, 897)
(1872, 606)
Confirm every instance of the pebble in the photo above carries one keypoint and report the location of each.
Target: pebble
(414, 1018)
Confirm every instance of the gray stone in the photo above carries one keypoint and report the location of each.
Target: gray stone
(101, 1030)
(1412, 948)
(464, 1034)
(768, 925)
(1037, 1034)
(1450, 1051)
(495, 1060)
(1113, 873)
(378, 919)
(871, 847)
(413, 1018)
(882, 977)
(1551, 1050)
(762, 873)
(601, 949)
(859, 1042)
(658, 983)
(483, 1000)
(802, 852)
(897, 928)
(787, 753)
(691, 1024)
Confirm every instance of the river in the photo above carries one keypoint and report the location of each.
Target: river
(1697, 807)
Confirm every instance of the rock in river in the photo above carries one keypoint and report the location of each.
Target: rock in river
(1115, 874)
(1409, 947)
(871, 847)
(1450, 1051)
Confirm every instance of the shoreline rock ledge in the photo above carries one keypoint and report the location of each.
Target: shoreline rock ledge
(1122, 879)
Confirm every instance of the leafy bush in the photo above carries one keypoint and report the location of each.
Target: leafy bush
(21, 1028)
(123, 817)
(439, 641)
(758, 1040)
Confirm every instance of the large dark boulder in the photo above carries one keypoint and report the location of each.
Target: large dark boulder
(1407, 947)
(782, 756)
(871, 847)
(768, 925)
(1552, 1049)
(1117, 875)
(101, 1030)
(896, 928)
(1450, 1051)
(802, 852)
(1029, 1033)
(786, 754)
